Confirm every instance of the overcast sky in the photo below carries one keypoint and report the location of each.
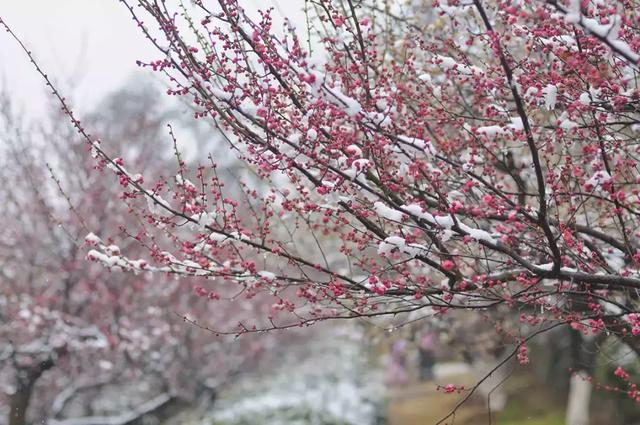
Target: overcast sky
(89, 47)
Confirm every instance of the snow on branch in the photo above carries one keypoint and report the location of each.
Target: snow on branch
(608, 34)
(152, 407)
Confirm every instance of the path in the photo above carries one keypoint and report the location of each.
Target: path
(421, 404)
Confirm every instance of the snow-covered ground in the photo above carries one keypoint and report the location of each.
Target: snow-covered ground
(329, 380)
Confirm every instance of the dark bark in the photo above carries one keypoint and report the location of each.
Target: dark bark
(18, 403)
(26, 378)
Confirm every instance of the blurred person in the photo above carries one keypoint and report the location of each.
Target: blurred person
(397, 372)
(426, 354)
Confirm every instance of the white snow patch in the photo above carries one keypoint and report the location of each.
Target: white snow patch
(351, 106)
(418, 143)
(392, 242)
(384, 211)
(449, 63)
(494, 130)
(550, 96)
(585, 99)
(267, 275)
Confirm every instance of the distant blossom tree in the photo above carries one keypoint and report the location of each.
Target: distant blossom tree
(483, 158)
(82, 344)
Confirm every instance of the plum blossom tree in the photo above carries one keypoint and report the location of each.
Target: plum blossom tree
(82, 344)
(479, 156)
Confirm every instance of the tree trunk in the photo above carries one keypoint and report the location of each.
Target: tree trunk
(18, 403)
(584, 350)
(26, 378)
(579, 399)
